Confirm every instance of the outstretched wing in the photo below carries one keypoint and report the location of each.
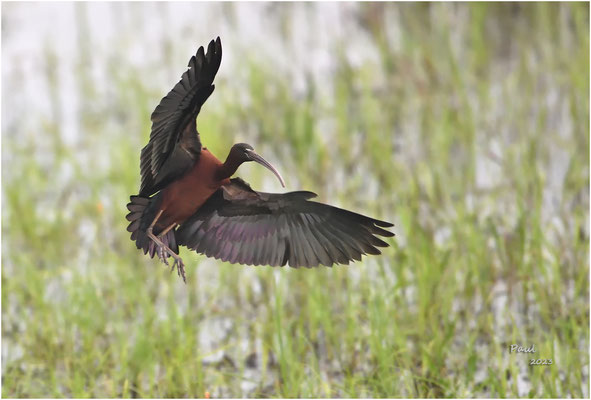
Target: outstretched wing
(174, 144)
(240, 225)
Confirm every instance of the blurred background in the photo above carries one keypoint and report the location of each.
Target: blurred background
(467, 125)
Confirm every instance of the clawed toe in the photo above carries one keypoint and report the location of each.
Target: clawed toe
(162, 256)
(180, 268)
(178, 263)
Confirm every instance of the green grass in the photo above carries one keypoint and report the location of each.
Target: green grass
(470, 132)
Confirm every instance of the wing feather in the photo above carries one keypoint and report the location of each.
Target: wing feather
(174, 144)
(240, 225)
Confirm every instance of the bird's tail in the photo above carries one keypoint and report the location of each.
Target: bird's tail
(140, 217)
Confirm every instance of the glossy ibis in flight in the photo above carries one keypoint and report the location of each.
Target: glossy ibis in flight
(187, 198)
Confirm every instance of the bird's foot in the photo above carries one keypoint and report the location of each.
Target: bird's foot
(180, 267)
(163, 248)
(161, 255)
(164, 253)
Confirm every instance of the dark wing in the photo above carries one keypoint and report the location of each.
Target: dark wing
(174, 144)
(240, 225)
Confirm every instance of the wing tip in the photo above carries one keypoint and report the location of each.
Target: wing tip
(384, 233)
(383, 224)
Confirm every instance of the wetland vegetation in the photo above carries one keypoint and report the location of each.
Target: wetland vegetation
(467, 125)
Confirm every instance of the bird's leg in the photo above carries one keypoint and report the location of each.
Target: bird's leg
(178, 261)
(164, 232)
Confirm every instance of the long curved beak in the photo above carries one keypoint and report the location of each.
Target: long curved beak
(255, 157)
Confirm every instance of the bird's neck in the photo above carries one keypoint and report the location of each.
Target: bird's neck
(228, 168)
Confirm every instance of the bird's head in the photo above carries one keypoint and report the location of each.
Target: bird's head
(243, 152)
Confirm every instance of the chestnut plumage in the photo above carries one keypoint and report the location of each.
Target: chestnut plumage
(187, 198)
